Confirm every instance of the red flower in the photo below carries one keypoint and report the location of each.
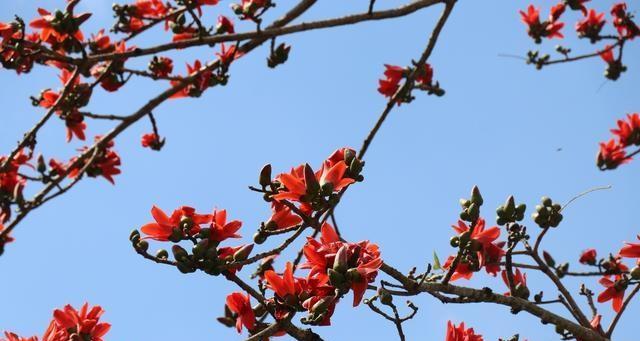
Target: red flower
(282, 217)
(182, 219)
(101, 43)
(5, 240)
(588, 256)
(198, 86)
(614, 265)
(358, 267)
(284, 286)
(614, 291)
(14, 337)
(226, 56)
(241, 305)
(631, 250)
(591, 25)
(11, 182)
(220, 229)
(152, 141)
(59, 26)
(388, 88)
(549, 28)
(628, 132)
(84, 324)
(460, 334)
(224, 25)
(519, 281)
(488, 255)
(611, 155)
(161, 66)
(623, 22)
(607, 54)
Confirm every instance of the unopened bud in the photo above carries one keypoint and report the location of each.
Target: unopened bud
(243, 253)
(162, 254)
(179, 253)
(476, 197)
(265, 176)
(335, 278)
(340, 262)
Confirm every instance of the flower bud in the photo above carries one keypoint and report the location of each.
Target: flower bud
(546, 201)
(185, 268)
(354, 275)
(454, 241)
(200, 249)
(259, 238)
(143, 245)
(548, 259)
(41, 165)
(162, 254)
(310, 180)
(243, 253)
(340, 262)
(179, 253)
(385, 297)
(635, 273)
(476, 197)
(510, 206)
(265, 176)
(134, 237)
(321, 306)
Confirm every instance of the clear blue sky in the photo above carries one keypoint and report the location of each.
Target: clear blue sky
(500, 126)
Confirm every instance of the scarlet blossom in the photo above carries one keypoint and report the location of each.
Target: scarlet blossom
(224, 25)
(614, 291)
(611, 155)
(152, 141)
(185, 33)
(488, 255)
(588, 257)
(153, 9)
(284, 285)
(241, 306)
(623, 22)
(282, 217)
(221, 229)
(183, 220)
(197, 86)
(628, 131)
(161, 66)
(591, 25)
(607, 54)
(11, 182)
(100, 43)
(59, 26)
(57, 167)
(519, 281)
(229, 254)
(228, 55)
(14, 337)
(614, 265)
(110, 74)
(595, 325)
(390, 85)
(630, 250)
(248, 9)
(459, 333)
(358, 268)
(105, 163)
(85, 324)
(549, 28)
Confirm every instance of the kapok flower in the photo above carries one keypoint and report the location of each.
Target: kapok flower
(614, 265)
(228, 55)
(519, 284)
(628, 131)
(85, 324)
(459, 333)
(611, 155)
(59, 26)
(198, 85)
(614, 291)
(589, 257)
(183, 220)
(220, 229)
(100, 43)
(224, 25)
(14, 337)
(161, 66)
(630, 250)
(623, 21)
(591, 25)
(104, 164)
(614, 66)
(282, 217)
(241, 306)
(488, 253)
(548, 28)
(344, 265)
(152, 141)
(11, 183)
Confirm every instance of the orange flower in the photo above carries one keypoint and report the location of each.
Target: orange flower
(220, 229)
(164, 226)
(84, 323)
(614, 291)
(459, 333)
(241, 305)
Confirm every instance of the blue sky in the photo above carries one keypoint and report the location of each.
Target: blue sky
(500, 125)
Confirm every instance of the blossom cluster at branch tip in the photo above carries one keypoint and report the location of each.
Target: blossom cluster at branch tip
(613, 153)
(394, 75)
(68, 324)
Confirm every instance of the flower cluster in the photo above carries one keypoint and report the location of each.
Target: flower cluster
(549, 28)
(613, 152)
(459, 333)
(394, 75)
(11, 183)
(71, 324)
